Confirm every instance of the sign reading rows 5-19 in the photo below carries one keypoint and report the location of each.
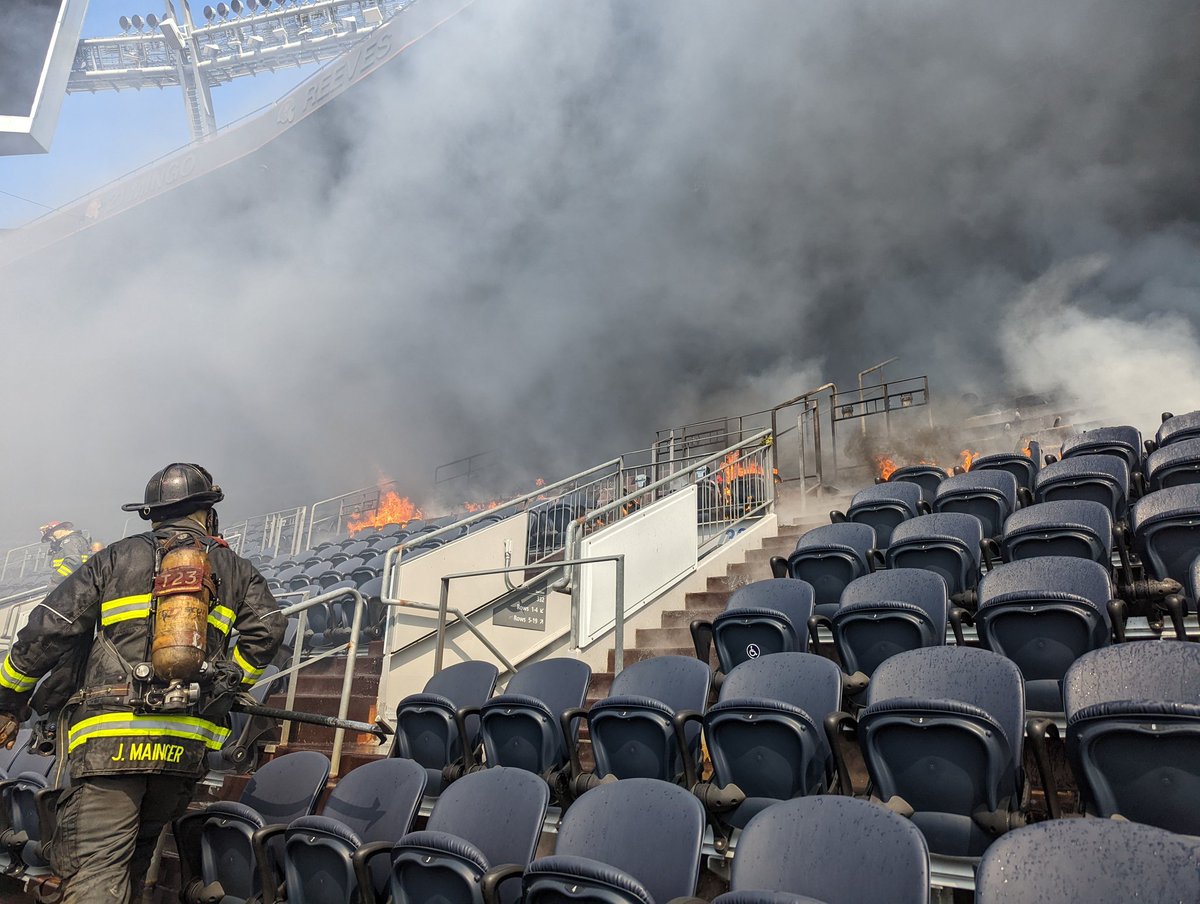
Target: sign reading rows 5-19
(37, 47)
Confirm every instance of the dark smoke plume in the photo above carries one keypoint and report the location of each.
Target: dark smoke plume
(553, 227)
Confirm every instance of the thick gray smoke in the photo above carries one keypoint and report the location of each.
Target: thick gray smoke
(553, 227)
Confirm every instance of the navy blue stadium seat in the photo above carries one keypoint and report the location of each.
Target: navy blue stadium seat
(1088, 861)
(628, 842)
(1174, 465)
(1133, 732)
(634, 731)
(1043, 614)
(1178, 428)
(943, 731)
(1079, 528)
(247, 734)
(766, 733)
(522, 727)
(1166, 531)
(946, 544)
(354, 547)
(1122, 442)
(927, 477)
(829, 558)
(886, 613)
(991, 496)
(28, 776)
(483, 828)
(883, 506)
(853, 852)
(427, 724)
(760, 618)
(216, 845)
(1098, 478)
(373, 804)
(1023, 467)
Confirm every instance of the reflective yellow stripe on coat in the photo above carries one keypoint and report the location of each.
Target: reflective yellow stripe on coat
(250, 673)
(221, 618)
(13, 678)
(124, 608)
(121, 725)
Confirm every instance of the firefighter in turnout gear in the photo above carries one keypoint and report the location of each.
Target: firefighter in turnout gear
(136, 644)
(69, 549)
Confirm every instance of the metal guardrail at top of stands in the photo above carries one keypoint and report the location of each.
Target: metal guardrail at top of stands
(353, 503)
(13, 607)
(23, 560)
(266, 534)
(350, 648)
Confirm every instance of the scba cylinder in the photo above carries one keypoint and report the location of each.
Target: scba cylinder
(184, 590)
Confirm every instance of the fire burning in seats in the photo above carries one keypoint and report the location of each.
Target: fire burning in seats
(886, 465)
(393, 509)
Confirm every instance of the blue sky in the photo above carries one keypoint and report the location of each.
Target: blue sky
(102, 136)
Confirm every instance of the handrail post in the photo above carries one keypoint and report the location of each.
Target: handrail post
(335, 757)
(297, 655)
(619, 633)
(443, 603)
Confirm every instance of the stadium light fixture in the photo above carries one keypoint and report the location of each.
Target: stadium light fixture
(137, 21)
(152, 20)
(222, 10)
(236, 7)
(125, 24)
(209, 13)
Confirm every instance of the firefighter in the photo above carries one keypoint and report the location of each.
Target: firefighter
(69, 549)
(145, 623)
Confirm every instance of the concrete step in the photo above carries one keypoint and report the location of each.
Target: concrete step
(682, 618)
(706, 599)
(656, 638)
(637, 655)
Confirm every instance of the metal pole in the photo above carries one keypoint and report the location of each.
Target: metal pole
(443, 602)
(297, 653)
(619, 628)
(335, 757)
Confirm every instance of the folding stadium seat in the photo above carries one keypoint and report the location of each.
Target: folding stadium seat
(1098, 478)
(829, 558)
(1133, 732)
(328, 580)
(324, 551)
(1166, 536)
(1122, 442)
(1023, 467)
(1043, 614)
(216, 844)
(927, 477)
(766, 733)
(283, 575)
(943, 731)
(427, 726)
(946, 544)
(991, 496)
(628, 842)
(370, 808)
(1078, 528)
(1177, 428)
(28, 776)
(315, 570)
(1088, 861)
(854, 852)
(481, 836)
(634, 732)
(760, 618)
(383, 544)
(1174, 465)
(886, 613)
(882, 506)
(523, 728)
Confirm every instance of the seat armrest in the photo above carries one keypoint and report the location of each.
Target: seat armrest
(958, 617)
(47, 809)
(360, 859)
(186, 831)
(815, 622)
(1038, 730)
(496, 876)
(833, 731)
(702, 637)
(680, 720)
(266, 873)
(460, 719)
(566, 721)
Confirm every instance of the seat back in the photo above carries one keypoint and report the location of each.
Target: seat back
(374, 802)
(830, 557)
(991, 496)
(1043, 614)
(1022, 467)
(1096, 478)
(927, 477)
(1120, 442)
(763, 617)
(1166, 530)
(521, 728)
(278, 793)
(426, 730)
(484, 819)
(632, 731)
(641, 836)
(888, 612)
(766, 734)
(946, 544)
(1079, 528)
(1179, 428)
(883, 506)
(854, 852)
(1174, 465)
(1133, 732)
(943, 729)
(1088, 861)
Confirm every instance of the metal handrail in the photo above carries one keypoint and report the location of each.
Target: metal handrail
(444, 608)
(312, 509)
(351, 648)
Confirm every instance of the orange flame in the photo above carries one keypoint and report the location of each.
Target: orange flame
(393, 509)
(966, 457)
(1027, 450)
(734, 467)
(473, 507)
(885, 465)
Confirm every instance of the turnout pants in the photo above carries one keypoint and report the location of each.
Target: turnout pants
(106, 832)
